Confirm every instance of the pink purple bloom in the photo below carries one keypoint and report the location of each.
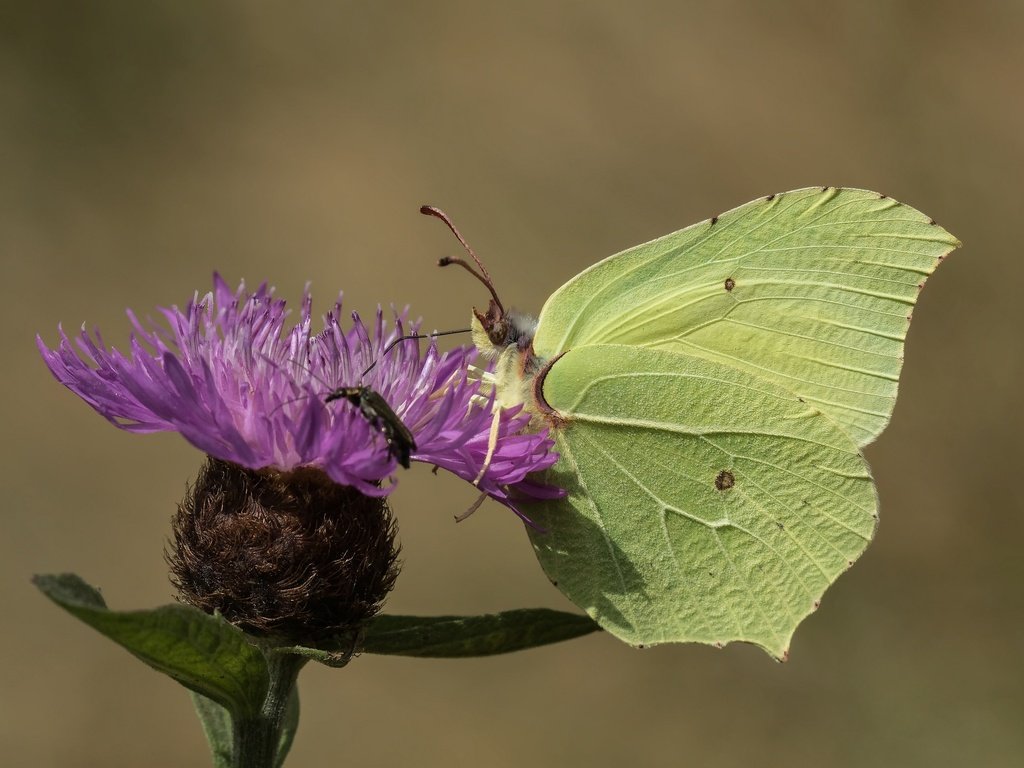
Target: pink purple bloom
(236, 383)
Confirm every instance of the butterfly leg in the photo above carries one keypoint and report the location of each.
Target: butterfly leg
(473, 508)
(492, 444)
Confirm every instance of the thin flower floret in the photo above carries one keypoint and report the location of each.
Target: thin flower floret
(230, 376)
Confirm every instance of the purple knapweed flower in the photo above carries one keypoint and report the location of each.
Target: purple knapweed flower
(241, 387)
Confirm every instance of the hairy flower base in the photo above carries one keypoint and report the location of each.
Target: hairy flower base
(290, 555)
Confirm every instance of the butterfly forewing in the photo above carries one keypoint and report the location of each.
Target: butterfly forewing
(811, 290)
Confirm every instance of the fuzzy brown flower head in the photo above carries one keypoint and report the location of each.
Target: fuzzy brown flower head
(287, 555)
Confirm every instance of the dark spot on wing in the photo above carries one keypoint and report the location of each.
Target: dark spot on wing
(725, 480)
(770, 198)
(729, 283)
(932, 222)
(714, 220)
(825, 189)
(882, 197)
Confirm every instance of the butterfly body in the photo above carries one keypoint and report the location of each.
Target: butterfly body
(710, 392)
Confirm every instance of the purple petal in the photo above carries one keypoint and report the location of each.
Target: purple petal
(228, 375)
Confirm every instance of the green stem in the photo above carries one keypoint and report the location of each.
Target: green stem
(258, 739)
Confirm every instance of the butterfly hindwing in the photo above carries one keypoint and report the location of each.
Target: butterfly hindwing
(705, 503)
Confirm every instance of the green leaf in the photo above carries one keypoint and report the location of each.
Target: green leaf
(452, 637)
(204, 653)
(459, 636)
(218, 729)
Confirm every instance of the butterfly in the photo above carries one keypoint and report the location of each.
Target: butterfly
(710, 393)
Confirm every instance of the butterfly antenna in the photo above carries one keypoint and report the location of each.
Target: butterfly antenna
(483, 275)
(389, 347)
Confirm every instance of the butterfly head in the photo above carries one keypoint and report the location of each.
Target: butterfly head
(495, 330)
(499, 334)
(498, 330)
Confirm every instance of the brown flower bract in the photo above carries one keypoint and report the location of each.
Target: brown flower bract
(288, 555)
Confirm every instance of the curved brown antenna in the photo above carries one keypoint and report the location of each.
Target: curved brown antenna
(483, 276)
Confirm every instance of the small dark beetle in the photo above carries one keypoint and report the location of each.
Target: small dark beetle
(376, 410)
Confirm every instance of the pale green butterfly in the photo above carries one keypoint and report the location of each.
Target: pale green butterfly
(710, 393)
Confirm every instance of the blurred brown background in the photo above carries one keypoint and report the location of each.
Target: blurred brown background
(143, 145)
